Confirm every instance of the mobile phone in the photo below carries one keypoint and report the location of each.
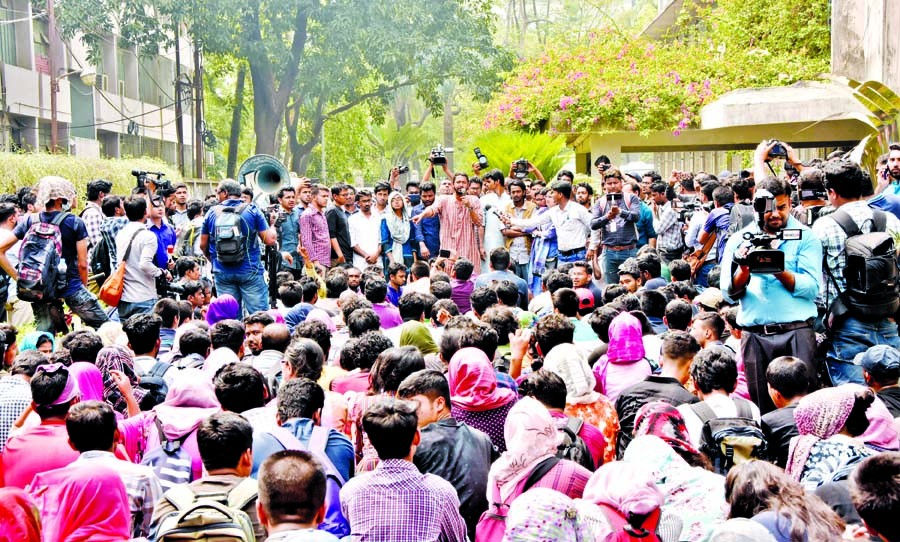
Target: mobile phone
(444, 253)
(613, 197)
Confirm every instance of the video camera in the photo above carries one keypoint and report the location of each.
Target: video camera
(482, 159)
(685, 210)
(163, 186)
(520, 168)
(762, 259)
(438, 155)
(282, 215)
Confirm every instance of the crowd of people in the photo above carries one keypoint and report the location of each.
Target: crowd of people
(489, 358)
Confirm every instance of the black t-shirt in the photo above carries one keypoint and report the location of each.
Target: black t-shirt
(779, 428)
(652, 388)
(71, 230)
(891, 398)
(338, 229)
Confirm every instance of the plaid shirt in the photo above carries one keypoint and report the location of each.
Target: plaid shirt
(141, 485)
(15, 396)
(398, 503)
(93, 217)
(109, 228)
(668, 229)
(834, 241)
(567, 477)
(314, 236)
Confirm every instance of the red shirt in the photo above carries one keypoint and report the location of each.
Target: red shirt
(43, 448)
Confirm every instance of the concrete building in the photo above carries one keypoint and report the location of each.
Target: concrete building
(122, 106)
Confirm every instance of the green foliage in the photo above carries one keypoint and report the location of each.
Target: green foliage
(26, 169)
(502, 147)
(348, 153)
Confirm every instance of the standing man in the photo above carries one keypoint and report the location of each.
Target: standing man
(338, 229)
(8, 218)
(92, 214)
(314, 235)
(381, 191)
(350, 201)
(460, 214)
(584, 194)
(429, 228)
(165, 234)
(494, 201)
(777, 311)
(616, 216)
(179, 207)
(139, 287)
(243, 278)
(889, 183)
(365, 232)
(289, 232)
(670, 240)
(518, 243)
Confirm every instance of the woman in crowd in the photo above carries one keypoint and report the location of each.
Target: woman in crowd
(764, 493)
(624, 363)
(112, 359)
(20, 519)
(829, 420)
(224, 307)
(37, 340)
(398, 233)
(476, 399)
(545, 514)
(662, 420)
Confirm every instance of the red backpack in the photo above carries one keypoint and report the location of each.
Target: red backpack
(624, 530)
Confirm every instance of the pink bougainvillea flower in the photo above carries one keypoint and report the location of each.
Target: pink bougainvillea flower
(565, 102)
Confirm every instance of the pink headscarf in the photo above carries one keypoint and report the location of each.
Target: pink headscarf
(819, 416)
(625, 487)
(881, 433)
(473, 384)
(224, 307)
(625, 340)
(20, 520)
(531, 437)
(191, 399)
(89, 379)
(82, 502)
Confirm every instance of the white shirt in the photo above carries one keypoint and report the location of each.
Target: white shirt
(140, 273)
(573, 225)
(722, 405)
(365, 232)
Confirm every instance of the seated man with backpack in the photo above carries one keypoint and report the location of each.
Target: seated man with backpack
(225, 497)
(53, 263)
(727, 429)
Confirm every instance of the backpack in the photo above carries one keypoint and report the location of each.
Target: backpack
(730, 441)
(334, 522)
(230, 239)
(871, 273)
(101, 263)
(624, 529)
(40, 278)
(573, 447)
(492, 524)
(170, 461)
(156, 386)
(213, 517)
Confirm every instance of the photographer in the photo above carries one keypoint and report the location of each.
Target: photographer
(616, 216)
(777, 310)
(813, 196)
(165, 234)
(287, 224)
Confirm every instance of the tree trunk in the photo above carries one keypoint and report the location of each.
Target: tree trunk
(236, 114)
(448, 128)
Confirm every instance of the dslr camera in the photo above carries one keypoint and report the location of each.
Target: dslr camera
(520, 168)
(778, 150)
(163, 186)
(281, 215)
(438, 155)
(762, 258)
(402, 169)
(482, 159)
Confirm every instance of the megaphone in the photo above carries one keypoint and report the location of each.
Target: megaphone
(264, 172)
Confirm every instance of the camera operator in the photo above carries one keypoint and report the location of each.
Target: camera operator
(813, 197)
(429, 173)
(778, 310)
(859, 328)
(616, 216)
(287, 224)
(772, 150)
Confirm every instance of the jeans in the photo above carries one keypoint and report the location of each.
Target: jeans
(51, 318)
(611, 262)
(701, 276)
(127, 309)
(521, 270)
(576, 257)
(852, 337)
(249, 289)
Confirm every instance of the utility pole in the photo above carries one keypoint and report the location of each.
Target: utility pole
(179, 112)
(54, 81)
(198, 112)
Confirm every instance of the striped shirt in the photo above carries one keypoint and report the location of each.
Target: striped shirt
(668, 229)
(15, 397)
(93, 217)
(458, 228)
(314, 236)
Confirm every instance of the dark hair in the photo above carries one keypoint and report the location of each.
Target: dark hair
(553, 330)
(381, 187)
(789, 376)
(650, 263)
(183, 265)
(545, 386)
(775, 186)
(680, 270)
(239, 387)
(679, 314)
(109, 205)
(313, 329)
(299, 398)
(47, 388)
(427, 187)
(428, 382)
(517, 183)
(440, 276)
(310, 288)
(362, 321)
(350, 305)
(27, 362)
(305, 359)
(194, 208)
(714, 369)
(602, 159)
(222, 439)
(135, 208)
(875, 490)
(262, 318)
(290, 293)
(601, 319)
(94, 188)
(191, 287)
(565, 300)
(440, 289)
(83, 345)
(503, 321)
(857, 422)
(227, 334)
(167, 309)
(143, 332)
(723, 195)
(367, 349)
(679, 346)
(393, 365)
(395, 268)
(463, 332)
(844, 177)
(712, 321)
(391, 426)
(412, 306)
(507, 292)
(612, 292)
(708, 190)
(586, 185)
(91, 425)
(336, 282)
(7, 210)
(482, 299)
(499, 259)
(447, 304)
(292, 487)
(194, 341)
(463, 269)
(419, 269)
(376, 290)
(564, 188)
(653, 303)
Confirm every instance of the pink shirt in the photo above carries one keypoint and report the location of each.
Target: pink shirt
(355, 381)
(590, 435)
(43, 448)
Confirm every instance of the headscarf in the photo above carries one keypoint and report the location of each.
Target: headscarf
(398, 226)
(30, 340)
(626, 342)
(69, 392)
(881, 434)
(473, 384)
(112, 333)
(417, 334)
(276, 314)
(662, 420)
(628, 488)
(89, 380)
(566, 361)
(52, 187)
(224, 307)
(542, 514)
(531, 437)
(118, 358)
(20, 520)
(191, 399)
(82, 502)
(819, 416)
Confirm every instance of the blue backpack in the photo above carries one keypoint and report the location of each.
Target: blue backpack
(170, 461)
(40, 278)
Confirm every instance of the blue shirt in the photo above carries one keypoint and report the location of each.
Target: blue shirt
(165, 237)
(645, 226)
(717, 222)
(429, 230)
(253, 222)
(393, 296)
(766, 300)
(411, 245)
(338, 448)
(71, 230)
(289, 238)
(886, 202)
(485, 279)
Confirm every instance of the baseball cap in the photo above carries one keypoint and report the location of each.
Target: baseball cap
(585, 298)
(710, 298)
(881, 361)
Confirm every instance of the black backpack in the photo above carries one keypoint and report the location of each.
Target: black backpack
(40, 278)
(573, 447)
(101, 264)
(730, 441)
(156, 386)
(230, 238)
(873, 291)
